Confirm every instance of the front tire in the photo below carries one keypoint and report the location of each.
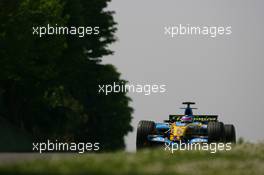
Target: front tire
(144, 129)
(215, 132)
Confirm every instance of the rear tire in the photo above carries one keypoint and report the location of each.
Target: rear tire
(230, 134)
(144, 129)
(215, 132)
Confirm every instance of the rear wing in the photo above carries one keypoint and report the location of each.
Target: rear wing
(196, 118)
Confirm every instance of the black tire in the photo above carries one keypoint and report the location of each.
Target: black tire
(215, 132)
(144, 129)
(230, 134)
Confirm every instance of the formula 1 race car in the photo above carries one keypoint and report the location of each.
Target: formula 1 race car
(187, 128)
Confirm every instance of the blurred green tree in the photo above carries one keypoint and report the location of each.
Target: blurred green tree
(50, 84)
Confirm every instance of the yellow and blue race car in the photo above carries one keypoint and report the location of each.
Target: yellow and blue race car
(187, 128)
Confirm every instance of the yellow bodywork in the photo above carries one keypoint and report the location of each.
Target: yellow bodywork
(177, 132)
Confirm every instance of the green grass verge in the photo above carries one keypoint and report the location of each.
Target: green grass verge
(245, 159)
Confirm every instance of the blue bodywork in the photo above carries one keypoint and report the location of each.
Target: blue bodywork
(163, 127)
(197, 123)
